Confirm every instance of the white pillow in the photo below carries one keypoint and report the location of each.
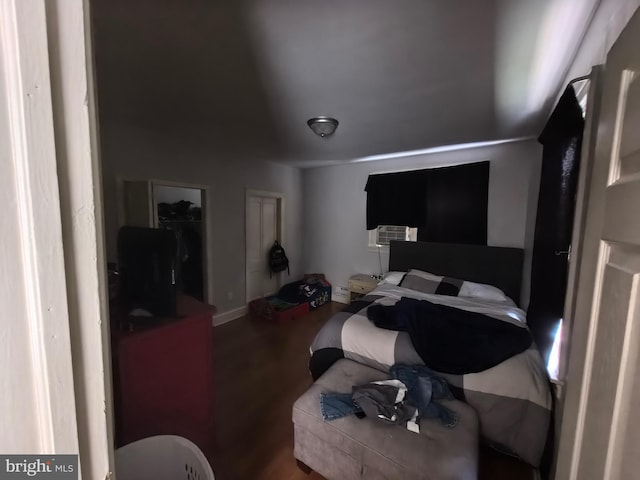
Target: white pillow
(428, 283)
(482, 290)
(393, 278)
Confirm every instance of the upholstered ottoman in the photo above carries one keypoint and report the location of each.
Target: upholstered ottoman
(353, 448)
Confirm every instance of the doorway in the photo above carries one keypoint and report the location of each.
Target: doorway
(263, 226)
(179, 209)
(176, 206)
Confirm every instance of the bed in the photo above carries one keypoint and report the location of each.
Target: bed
(512, 398)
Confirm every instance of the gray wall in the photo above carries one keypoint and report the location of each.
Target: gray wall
(606, 25)
(138, 154)
(331, 200)
(335, 236)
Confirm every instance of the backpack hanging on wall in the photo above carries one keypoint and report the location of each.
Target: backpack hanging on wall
(278, 261)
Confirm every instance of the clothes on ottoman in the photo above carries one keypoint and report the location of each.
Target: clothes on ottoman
(411, 394)
(385, 400)
(353, 449)
(338, 405)
(425, 387)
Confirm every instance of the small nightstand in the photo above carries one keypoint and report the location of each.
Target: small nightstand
(360, 285)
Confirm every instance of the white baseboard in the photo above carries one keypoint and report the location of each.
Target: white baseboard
(222, 318)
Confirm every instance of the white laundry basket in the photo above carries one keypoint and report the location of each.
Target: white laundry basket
(164, 457)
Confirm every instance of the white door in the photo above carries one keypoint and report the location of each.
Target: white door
(600, 434)
(262, 230)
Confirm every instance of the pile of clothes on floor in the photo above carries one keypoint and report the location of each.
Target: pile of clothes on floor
(313, 289)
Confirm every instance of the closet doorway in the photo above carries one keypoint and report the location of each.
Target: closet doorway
(179, 207)
(263, 226)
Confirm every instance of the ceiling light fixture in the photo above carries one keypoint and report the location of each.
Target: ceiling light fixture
(322, 125)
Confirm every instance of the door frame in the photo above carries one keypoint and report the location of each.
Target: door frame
(207, 232)
(280, 207)
(120, 201)
(48, 65)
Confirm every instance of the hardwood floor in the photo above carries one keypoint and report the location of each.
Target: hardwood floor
(260, 370)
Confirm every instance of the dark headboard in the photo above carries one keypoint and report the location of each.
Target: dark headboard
(498, 266)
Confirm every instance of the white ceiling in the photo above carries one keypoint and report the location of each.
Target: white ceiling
(399, 75)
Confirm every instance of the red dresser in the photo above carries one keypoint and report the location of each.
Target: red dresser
(163, 375)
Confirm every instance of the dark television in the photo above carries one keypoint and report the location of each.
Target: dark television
(147, 260)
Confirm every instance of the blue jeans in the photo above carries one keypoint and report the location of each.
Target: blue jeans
(337, 405)
(424, 388)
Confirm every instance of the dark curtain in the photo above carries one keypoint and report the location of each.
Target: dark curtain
(562, 142)
(457, 202)
(396, 199)
(446, 204)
